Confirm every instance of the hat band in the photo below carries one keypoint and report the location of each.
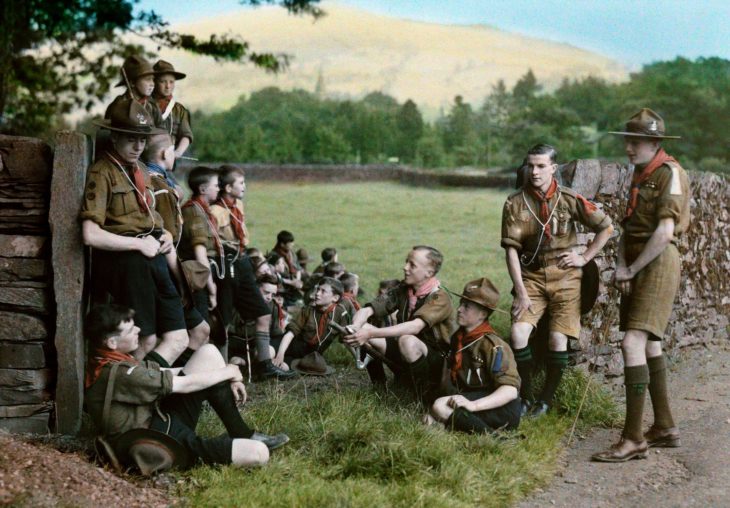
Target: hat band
(640, 128)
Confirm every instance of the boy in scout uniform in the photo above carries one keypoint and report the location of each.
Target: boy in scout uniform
(175, 117)
(309, 329)
(138, 75)
(647, 274)
(129, 244)
(419, 341)
(539, 237)
(481, 367)
(237, 285)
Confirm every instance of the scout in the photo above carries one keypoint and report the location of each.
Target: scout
(291, 278)
(329, 255)
(175, 117)
(481, 368)
(647, 274)
(159, 159)
(138, 76)
(417, 345)
(237, 284)
(308, 330)
(120, 223)
(539, 237)
(351, 284)
(137, 399)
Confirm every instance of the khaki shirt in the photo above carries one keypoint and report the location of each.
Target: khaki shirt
(665, 194)
(177, 123)
(304, 324)
(434, 309)
(521, 229)
(150, 106)
(486, 364)
(110, 200)
(225, 226)
(167, 205)
(196, 230)
(137, 390)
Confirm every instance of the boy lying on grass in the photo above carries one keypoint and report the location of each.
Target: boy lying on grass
(482, 370)
(144, 396)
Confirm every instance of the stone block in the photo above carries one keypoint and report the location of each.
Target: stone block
(22, 246)
(15, 326)
(24, 159)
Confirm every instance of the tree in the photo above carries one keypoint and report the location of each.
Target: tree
(526, 87)
(58, 55)
(410, 127)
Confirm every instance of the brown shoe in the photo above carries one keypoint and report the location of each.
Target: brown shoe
(622, 451)
(662, 438)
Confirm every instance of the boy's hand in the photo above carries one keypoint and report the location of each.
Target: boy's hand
(166, 243)
(239, 392)
(148, 246)
(357, 338)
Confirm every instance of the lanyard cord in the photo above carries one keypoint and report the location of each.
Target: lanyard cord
(230, 214)
(543, 225)
(220, 250)
(144, 200)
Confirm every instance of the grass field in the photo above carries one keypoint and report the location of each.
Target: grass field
(349, 446)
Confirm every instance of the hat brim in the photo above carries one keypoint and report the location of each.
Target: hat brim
(106, 124)
(151, 73)
(124, 443)
(175, 74)
(477, 302)
(295, 365)
(640, 135)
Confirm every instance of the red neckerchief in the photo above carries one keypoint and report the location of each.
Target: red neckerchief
(282, 314)
(136, 176)
(425, 289)
(287, 255)
(321, 325)
(101, 357)
(202, 203)
(163, 102)
(353, 299)
(640, 177)
(464, 339)
(237, 221)
(544, 200)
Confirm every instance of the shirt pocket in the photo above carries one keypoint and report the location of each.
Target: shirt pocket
(647, 200)
(123, 201)
(562, 222)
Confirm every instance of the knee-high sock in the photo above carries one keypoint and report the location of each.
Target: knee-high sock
(183, 358)
(220, 398)
(525, 366)
(556, 363)
(658, 392)
(419, 375)
(636, 378)
(262, 346)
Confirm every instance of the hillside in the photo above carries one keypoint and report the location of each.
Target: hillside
(357, 52)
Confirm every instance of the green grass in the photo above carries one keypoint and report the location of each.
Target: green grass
(349, 446)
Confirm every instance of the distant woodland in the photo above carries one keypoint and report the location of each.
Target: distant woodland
(272, 125)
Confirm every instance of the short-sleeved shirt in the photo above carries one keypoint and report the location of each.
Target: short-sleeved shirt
(665, 194)
(110, 200)
(435, 309)
(150, 105)
(196, 230)
(167, 205)
(137, 390)
(486, 364)
(305, 325)
(177, 123)
(521, 229)
(225, 225)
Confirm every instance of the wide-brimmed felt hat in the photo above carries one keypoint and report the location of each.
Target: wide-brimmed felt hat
(129, 116)
(312, 364)
(302, 255)
(135, 67)
(589, 286)
(151, 451)
(481, 292)
(646, 124)
(163, 67)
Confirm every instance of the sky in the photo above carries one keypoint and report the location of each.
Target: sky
(634, 32)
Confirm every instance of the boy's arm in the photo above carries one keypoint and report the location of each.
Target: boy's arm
(201, 255)
(361, 336)
(521, 301)
(660, 238)
(202, 380)
(94, 236)
(285, 341)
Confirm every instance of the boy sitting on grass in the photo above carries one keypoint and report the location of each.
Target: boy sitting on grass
(308, 331)
(123, 394)
(482, 370)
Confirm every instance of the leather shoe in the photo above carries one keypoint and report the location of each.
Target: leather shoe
(538, 409)
(525, 406)
(271, 442)
(267, 370)
(624, 450)
(662, 438)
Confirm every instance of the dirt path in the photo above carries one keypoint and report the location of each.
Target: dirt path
(697, 474)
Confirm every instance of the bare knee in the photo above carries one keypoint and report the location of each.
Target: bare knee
(199, 335)
(634, 347)
(204, 359)
(653, 348)
(520, 335)
(263, 323)
(558, 341)
(440, 409)
(411, 348)
(249, 453)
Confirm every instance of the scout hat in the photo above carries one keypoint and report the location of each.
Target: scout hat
(646, 124)
(134, 67)
(481, 292)
(312, 364)
(163, 67)
(128, 115)
(589, 286)
(151, 451)
(302, 255)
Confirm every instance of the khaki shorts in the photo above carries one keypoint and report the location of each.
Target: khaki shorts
(653, 289)
(556, 290)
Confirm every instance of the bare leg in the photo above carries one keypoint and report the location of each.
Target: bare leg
(205, 359)
(199, 335)
(411, 348)
(172, 345)
(440, 410)
(146, 344)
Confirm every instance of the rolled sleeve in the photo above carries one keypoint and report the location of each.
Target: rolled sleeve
(510, 229)
(436, 309)
(385, 304)
(96, 198)
(296, 325)
(589, 215)
(185, 130)
(142, 384)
